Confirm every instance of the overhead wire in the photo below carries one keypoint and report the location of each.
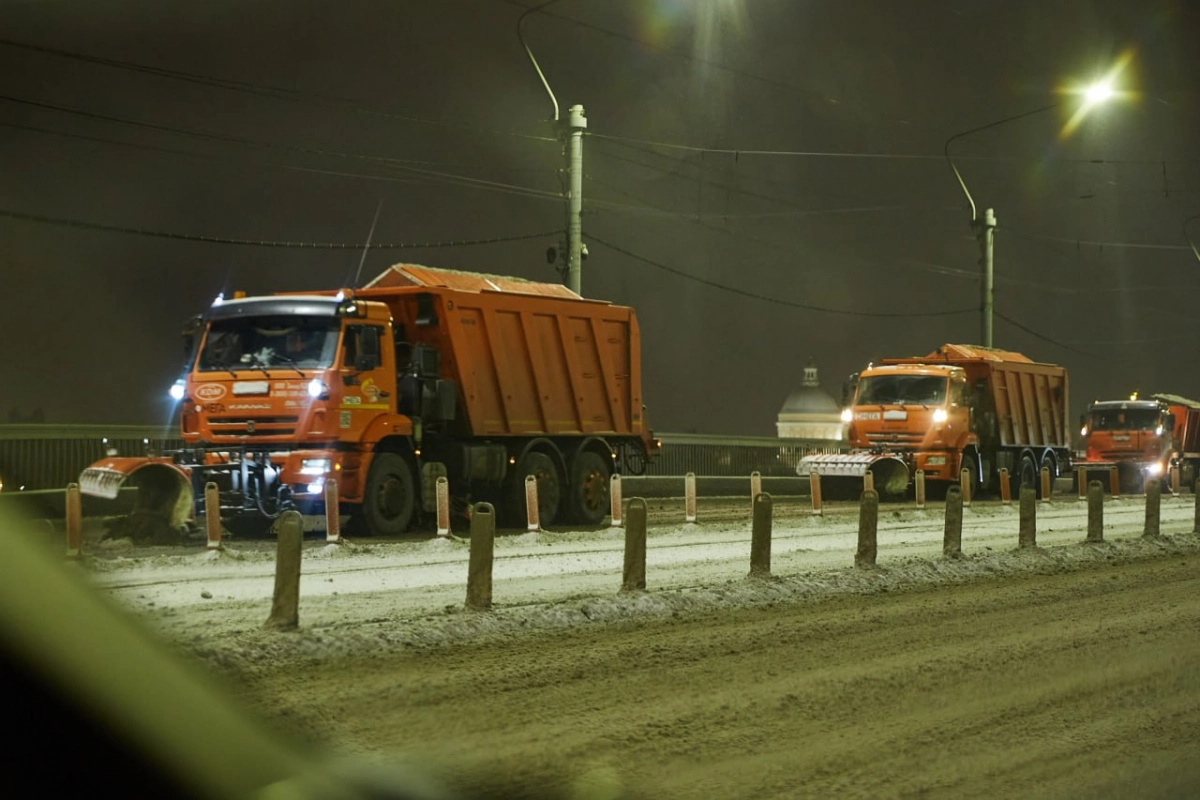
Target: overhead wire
(261, 90)
(450, 178)
(95, 226)
(769, 298)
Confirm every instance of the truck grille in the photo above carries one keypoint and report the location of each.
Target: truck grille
(895, 438)
(253, 426)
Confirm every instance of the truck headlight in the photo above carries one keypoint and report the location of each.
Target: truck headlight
(847, 415)
(177, 390)
(316, 487)
(940, 415)
(314, 466)
(1154, 470)
(316, 388)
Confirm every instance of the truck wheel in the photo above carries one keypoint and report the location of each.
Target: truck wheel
(549, 488)
(589, 488)
(1027, 475)
(968, 463)
(389, 497)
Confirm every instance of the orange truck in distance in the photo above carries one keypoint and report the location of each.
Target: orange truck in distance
(423, 373)
(960, 407)
(1144, 438)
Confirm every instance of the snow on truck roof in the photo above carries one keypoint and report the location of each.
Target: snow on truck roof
(434, 277)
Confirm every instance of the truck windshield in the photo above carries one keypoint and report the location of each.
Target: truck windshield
(257, 342)
(1125, 419)
(899, 390)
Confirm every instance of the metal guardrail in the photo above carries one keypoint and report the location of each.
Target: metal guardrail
(51, 456)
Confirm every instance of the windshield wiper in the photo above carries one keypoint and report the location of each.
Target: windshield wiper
(291, 362)
(225, 365)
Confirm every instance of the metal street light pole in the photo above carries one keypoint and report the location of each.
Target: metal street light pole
(985, 230)
(576, 123)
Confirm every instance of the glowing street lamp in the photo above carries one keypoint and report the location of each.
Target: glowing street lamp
(1092, 95)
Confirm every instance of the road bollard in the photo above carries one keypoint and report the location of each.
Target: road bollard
(633, 577)
(814, 488)
(964, 487)
(1005, 488)
(1095, 500)
(333, 512)
(531, 504)
(1196, 499)
(1114, 482)
(952, 538)
(868, 481)
(74, 505)
(760, 537)
(614, 500)
(920, 478)
(755, 486)
(1081, 482)
(1175, 481)
(868, 524)
(442, 492)
(479, 566)
(285, 603)
(689, 497)
(1047, 484)
(212, 515)
(1027, 533)
(1153, 507)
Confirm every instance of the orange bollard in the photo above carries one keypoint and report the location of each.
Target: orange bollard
(74, 521)
(1114, 482)
(333, 514)
(964, 485)
(1047, 484)
(443, 507)
(868, 481)
(531, 504)
(689, 499)
(614, 500)
(212, 515)
(1005, 487)
(814, 484)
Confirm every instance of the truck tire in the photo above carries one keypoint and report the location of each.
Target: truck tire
(549, 485)
(1026, 475)
(972, 466)
(588, 496)
(389, 497)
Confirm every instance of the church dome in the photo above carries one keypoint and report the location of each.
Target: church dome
(810, 398)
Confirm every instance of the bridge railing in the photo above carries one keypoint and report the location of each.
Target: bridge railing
(51, 456)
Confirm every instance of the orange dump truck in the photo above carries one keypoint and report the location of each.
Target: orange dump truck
(424, 373)
(960, 407)
(1144, 438)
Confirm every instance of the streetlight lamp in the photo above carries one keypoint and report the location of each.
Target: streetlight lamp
(985, 226)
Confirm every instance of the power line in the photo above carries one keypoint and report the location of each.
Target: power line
(1043, 337)
(1066, 240)
(463, 180)
(739, 152)
(94, 226)
(768, 298)
(261, 90)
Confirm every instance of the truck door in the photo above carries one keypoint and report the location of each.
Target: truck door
(368, 377)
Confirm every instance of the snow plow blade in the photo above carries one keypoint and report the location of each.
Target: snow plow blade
(889, 471)
(163, 505)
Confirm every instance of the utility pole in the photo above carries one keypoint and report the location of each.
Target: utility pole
(985, 231)
(576, 123)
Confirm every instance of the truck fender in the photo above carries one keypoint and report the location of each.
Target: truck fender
(386, 425)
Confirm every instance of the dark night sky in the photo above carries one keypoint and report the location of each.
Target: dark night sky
(307, 114)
